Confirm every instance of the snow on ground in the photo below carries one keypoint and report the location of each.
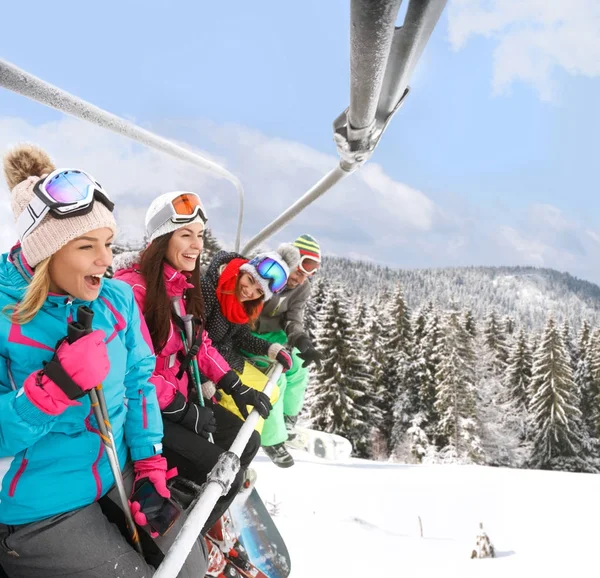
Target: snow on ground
(361, 519)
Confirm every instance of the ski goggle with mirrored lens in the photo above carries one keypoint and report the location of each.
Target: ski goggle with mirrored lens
(184, 208)
(63, 193)
(308, 265)
(271, 271)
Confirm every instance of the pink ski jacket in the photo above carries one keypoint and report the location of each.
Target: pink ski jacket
(164, 377)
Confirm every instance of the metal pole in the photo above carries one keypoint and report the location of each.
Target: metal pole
(180, 549)
(407, 46)
(21, 82)
(311, 195)
(101, 415)
(371, 31)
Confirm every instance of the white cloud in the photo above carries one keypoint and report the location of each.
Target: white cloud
(549, 216)
(275, 172)
(368, 215)
(593, 235)
(533, 38)
(529, 251)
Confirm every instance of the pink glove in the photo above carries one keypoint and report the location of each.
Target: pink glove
(154, 470)
(76, 368)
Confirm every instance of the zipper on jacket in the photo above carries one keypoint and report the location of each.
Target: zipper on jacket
(144, 412)
(13, 484)
(69, 303)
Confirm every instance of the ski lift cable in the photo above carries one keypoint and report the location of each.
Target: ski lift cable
(21, 82)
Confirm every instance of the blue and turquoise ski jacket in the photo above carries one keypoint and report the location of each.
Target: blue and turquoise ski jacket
(54, 464)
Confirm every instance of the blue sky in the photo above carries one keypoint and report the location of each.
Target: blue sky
(490, 161)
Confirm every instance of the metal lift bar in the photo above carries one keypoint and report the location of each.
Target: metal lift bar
(21, 82)
(382, 59)
(407, 46)
(218, 483)
(371, 33)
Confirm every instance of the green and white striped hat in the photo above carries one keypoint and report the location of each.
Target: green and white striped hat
(308, 247)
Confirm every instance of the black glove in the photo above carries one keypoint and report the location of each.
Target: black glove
(196, 418)
(243, 395)
(308, 353)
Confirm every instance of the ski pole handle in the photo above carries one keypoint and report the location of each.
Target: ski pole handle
(84, 317)
(77, 329)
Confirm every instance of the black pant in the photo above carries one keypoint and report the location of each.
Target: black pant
(194, 456)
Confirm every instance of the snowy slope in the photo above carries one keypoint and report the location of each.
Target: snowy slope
(361, 518)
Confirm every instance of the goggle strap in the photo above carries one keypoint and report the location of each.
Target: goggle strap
(34, 212)
(168, 213)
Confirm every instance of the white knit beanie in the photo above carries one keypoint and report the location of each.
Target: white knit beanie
(169, 226)
(290, 254)
(264, 283)
(25, 165)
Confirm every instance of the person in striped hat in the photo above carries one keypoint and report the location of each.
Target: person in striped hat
(282, 321)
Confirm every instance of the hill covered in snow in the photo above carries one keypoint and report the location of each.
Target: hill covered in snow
(361, 519)
(528, 294)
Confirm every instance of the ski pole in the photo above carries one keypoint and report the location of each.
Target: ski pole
(75, 331)
(187, 339)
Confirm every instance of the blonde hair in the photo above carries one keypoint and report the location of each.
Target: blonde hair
(35, 295)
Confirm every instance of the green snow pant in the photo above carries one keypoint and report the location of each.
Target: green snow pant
(292, 386)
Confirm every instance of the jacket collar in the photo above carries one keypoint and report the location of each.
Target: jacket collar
(176, 282)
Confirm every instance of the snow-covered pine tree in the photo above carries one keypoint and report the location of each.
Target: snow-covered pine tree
(517, 379)
(455, 395)
(583, 338)
(368, 339)
(396, 348)
(570, 350)
(590, 389)
(470, 323)
(211, 248)
(588, 345)
(555, 428)
(398, 325)
(508, 325)
(409, 416)
(314, 307)
(429, 348)
(376, 363)
(495, 341)
(339, 400)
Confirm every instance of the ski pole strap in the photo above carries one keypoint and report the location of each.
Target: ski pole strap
(54, 371)
(192, 352)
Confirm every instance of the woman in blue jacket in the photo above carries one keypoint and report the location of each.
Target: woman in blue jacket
(53, 466)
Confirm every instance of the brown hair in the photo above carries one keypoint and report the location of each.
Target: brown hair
(157, 307)
(252, 308)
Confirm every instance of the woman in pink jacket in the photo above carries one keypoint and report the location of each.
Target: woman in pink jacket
(164, 273)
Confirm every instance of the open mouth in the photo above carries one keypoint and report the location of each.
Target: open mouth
(93, 281)
(190, 257)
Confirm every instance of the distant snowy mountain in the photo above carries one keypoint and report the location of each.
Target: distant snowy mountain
(528, 294)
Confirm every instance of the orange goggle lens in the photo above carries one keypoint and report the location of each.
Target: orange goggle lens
(186, 205)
